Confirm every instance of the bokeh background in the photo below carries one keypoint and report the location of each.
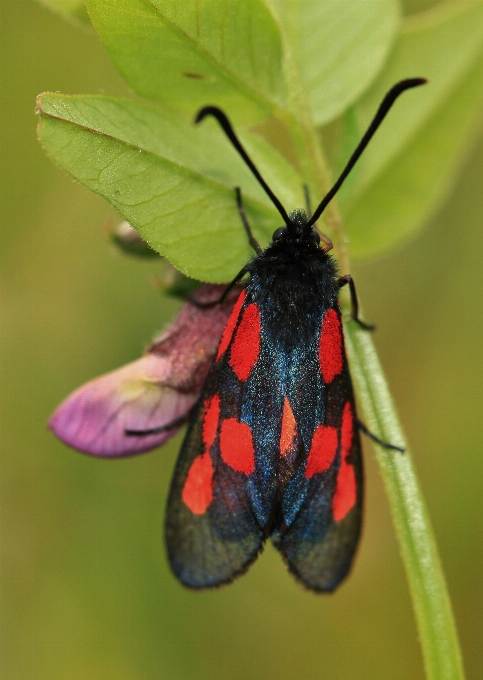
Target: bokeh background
(87, 593)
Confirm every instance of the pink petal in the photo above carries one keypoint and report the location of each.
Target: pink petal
(151, 392)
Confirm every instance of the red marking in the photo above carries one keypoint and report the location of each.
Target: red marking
(289, 428)
(331, 358)
(210, 420)
(347, 429)
(246, 344)
(322, 450)
(345, 495)
(230, 325)
(197, 492)
(236, 446)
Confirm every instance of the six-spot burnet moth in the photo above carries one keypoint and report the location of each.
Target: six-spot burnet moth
(273, 447)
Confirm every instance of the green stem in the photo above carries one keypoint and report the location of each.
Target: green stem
(432, 606)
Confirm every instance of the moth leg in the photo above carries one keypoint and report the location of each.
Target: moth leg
(347, 279)
(222, 298)
(177, 422)
(376, 439)
(241, 210)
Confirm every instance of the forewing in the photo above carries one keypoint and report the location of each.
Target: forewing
(212, 531)
(319, 541)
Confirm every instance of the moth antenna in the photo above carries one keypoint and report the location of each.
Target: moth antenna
(230, 133)
(382, 112)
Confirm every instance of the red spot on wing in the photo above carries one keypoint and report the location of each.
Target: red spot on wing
(345, 495)
(245, 348)
(210, 420)
(197, 492)
(331, 357)
(230, 325)
(347, 429)
(322, 450)
(289, 428)
(236, 445)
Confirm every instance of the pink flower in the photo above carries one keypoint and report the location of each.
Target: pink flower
(151, 392)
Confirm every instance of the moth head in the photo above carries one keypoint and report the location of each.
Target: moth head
(298, 230)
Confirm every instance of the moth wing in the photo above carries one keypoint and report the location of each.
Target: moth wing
(319, 536)
(212, 532)
(320, 544)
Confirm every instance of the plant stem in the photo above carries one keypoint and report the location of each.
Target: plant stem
(432, 606)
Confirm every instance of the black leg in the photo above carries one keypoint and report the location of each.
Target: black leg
(376, 439)
(251, 239)
(307, 200)
(347, 279)
(177, 422)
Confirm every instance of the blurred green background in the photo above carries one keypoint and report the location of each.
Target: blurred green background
(87, 593)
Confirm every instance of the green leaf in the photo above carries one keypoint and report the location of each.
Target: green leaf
(412, 186)
(442, 51)
(338, 47)
(170, 180)
(410, 163)
(70, 9)
(197, 52)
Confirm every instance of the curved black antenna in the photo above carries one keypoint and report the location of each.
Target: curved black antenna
(382, 111)
(230, 133)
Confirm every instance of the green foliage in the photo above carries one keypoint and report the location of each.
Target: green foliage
(338, 48)
(412, 161)
(70, 9)
(170, 180)
(174, 182)
(187, 54)
(415, 182)
(280, 69)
